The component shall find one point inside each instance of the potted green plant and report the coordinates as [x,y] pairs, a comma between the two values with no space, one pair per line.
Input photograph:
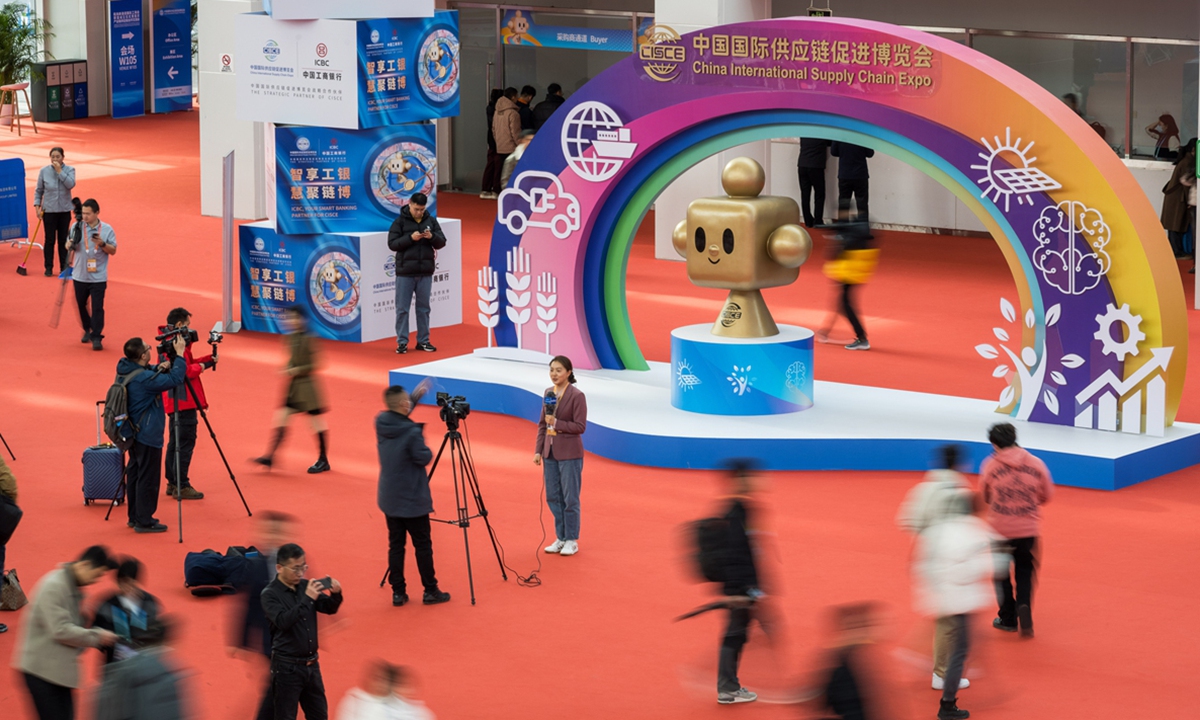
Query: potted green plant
[19,34]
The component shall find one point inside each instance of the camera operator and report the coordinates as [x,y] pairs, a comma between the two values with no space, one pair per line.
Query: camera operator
[291,604]
[143,473]
[189,400]
[92,242]
[404,493]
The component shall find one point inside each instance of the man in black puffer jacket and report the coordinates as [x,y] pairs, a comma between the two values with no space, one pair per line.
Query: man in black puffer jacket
[415,237]
[404,493]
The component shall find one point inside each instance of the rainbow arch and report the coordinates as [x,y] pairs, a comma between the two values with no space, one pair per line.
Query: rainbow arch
[938,125]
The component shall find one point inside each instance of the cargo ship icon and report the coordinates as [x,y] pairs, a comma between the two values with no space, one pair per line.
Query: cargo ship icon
[614,144]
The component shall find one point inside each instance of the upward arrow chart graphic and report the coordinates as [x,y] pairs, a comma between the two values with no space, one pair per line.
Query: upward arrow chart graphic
[1162,356]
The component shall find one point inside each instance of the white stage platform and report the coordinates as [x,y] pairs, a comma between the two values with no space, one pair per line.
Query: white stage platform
[850,427]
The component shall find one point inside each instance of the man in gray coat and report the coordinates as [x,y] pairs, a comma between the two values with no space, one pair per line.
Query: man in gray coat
[54,634]
[145,686]
[404,493]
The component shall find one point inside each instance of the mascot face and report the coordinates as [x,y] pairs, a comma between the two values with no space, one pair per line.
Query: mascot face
[330,274]
[436,53]
[519,24]
[397,165]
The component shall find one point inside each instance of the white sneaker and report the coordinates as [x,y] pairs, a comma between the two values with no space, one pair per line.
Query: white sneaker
[555,547]
[570,547]
[940,683]
[740,695]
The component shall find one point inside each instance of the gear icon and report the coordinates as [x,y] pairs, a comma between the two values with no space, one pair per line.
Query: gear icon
[1132,326]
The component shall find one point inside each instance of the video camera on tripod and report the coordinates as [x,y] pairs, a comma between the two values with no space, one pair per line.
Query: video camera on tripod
[453,409]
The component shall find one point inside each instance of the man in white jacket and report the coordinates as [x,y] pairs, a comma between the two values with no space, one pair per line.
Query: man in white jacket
[952,573]
[924,505]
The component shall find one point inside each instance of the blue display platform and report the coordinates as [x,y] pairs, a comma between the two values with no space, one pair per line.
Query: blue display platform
[742,376]
[630,419]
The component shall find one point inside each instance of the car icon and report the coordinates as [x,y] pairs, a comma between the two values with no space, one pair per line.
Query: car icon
[537,199]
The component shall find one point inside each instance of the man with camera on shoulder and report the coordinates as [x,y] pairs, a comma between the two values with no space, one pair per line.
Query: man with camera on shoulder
[191,396]
[92,242]
[143,472]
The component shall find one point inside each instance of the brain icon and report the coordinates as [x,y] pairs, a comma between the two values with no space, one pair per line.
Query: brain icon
[1071,240]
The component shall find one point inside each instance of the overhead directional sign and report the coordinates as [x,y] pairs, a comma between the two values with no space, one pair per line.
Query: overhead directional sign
[127,68]
[171,55]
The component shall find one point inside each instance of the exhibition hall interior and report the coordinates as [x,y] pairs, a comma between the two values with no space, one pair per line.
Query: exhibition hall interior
[860,328]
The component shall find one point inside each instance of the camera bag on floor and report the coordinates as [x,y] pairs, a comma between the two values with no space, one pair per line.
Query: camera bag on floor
[209,573]
[103,466]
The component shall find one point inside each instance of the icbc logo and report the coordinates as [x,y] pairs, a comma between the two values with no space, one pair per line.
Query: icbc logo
[322,51]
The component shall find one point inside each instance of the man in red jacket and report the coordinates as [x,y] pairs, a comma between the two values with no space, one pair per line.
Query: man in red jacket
[1015,485]
[189,401]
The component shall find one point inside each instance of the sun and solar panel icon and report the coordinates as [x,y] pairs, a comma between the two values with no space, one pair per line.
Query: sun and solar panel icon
[1021,179]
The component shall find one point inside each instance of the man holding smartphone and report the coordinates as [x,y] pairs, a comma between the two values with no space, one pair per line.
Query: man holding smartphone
[415,237]
[89,270]
[291,604]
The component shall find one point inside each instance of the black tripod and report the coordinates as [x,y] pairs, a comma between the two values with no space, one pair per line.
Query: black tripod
[179,480]
[466,484]
[6,447]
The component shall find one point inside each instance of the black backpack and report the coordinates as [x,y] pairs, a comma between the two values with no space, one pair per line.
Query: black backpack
[118,426]
[710,539]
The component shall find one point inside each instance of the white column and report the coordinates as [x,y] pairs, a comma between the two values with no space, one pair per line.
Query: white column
[220,129]
[685,16]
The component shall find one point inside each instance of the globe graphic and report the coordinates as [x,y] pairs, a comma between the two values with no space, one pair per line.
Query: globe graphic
[579,130]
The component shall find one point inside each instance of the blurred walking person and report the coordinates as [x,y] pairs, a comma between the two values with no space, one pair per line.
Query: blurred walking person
[927,503]
[952,565]
[506,129]
[739,580]
[302,394]
[53,634]
[145,685]
[1015,485]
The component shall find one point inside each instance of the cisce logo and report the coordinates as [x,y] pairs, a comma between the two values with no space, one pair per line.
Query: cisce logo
[662,56]
[271,51]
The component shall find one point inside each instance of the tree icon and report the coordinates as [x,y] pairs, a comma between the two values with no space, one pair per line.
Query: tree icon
[1028,367]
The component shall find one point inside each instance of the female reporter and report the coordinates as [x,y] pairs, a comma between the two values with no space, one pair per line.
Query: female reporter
[560,453]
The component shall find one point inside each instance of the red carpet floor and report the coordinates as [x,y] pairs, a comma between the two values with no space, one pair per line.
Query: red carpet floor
[1116,627]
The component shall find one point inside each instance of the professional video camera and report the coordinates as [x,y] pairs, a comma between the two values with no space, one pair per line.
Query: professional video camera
[453,409]
[77,229]
[166,341]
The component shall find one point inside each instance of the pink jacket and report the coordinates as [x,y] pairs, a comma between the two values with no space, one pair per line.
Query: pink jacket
[1015,485]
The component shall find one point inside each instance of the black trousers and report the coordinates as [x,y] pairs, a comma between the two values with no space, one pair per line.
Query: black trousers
[812,183]
[736,634]
[143,480]
[1024,567]
[94,322]
[57,225]
[418,528]
[856,189]
[860,333]
[52,702]
[491,171]
[296,684]
[188,419]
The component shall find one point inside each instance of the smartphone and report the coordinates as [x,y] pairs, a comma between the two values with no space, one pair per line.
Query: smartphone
[326,583]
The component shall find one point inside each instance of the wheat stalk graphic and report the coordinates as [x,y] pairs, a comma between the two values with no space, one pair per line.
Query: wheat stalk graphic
[518,294]
[547,298]
[489,306]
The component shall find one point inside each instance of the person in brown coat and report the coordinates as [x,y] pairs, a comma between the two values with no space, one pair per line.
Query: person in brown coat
[53,634]
[1177,214]
[560,453]
[506,125]
[302,393]
[8,494]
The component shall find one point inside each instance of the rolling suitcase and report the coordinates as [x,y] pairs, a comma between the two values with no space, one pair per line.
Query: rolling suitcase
[103,468]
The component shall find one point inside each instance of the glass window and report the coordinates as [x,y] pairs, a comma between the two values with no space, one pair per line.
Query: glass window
[1091,74]
[477,34]
[1164,98]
